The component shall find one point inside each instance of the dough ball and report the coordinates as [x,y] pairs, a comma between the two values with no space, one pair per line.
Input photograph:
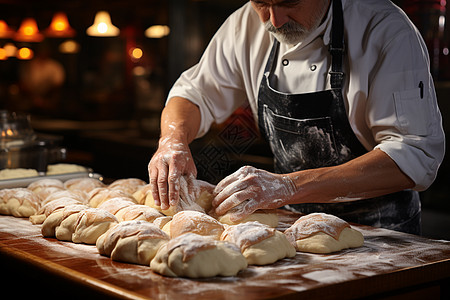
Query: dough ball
[260,244]
[266,217]
[37,185]
[50,207]
[17,173]
[323,233]
[55,218]
[132,241]
[195,222]
[116,205]
[64,169]
[99,195]
[195,256]
[90,224]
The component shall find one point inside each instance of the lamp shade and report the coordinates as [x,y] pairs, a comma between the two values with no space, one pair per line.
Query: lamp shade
[102,26]
[60,27]
[28,31]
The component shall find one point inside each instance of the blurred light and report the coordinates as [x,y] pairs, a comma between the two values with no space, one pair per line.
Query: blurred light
[139,71]
[11,49]
[3,55]
[69,47]
[60,27]
[136,54]
[445,51]
[25,53]
[157,31]
[102,26]
[28,31]
[5,31]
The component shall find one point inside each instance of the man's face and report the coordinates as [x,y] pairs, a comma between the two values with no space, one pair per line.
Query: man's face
[290,21]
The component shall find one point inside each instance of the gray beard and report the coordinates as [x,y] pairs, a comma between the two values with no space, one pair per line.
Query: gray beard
[290,33]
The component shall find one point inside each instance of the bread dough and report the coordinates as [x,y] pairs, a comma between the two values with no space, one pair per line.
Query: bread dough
[64,169]
[92,223]
[83,184]
[260,244]
[195,222]
[323,233]
[54,220]
[194,195]
[194,256]
[265,217]
[17,173]
[99,195]
[132,241]
[128,185]
[138,212]
[19,202]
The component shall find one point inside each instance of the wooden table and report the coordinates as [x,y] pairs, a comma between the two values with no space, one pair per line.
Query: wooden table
[389,264]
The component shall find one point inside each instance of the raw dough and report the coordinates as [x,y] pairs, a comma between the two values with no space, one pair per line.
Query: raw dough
[129,185]
[138,212]
[99,195]
[195,256]
[262,216]
[17,173]
[323,233]
[195,222]
[54,220]
[92,223]
[260,244]
[132,241]
[19,202]
[83,184]
[64,169]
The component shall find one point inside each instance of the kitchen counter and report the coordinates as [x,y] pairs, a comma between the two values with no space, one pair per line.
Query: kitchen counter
[388,264]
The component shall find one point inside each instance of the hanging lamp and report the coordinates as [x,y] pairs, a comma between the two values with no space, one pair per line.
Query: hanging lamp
[102,26]
[28,31]
[60,27]
[157,31]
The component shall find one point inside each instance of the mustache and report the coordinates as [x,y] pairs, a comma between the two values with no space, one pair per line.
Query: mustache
[287,28]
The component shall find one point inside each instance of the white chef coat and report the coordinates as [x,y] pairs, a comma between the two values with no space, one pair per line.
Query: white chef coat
[385,61]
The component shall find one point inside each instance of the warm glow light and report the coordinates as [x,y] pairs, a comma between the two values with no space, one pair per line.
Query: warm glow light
[10,49]
[3,55]
[157,31]
[5,31]
[102,26]
[28,32]
[25,53]
[136,53]
[69,47]
[60,27]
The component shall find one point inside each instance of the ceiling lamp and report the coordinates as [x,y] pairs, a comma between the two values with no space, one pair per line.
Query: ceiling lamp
[28,31]
[25,53]
[157,31]
[60,27]
[102,26]
[69,47]
[5,31]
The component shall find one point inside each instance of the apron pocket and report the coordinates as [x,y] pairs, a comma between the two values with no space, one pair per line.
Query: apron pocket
[300,144]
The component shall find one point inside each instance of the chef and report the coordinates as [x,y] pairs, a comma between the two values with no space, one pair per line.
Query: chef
[340,89]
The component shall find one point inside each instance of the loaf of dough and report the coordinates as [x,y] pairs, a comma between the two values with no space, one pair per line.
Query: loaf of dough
[132,241]
[128,185]
[17,173]
[90,224]
[195,256]
[55,218]
[99,195]
[260,244]
[323,233]
[83,184]
[116,205]
[266,217]
[138,212]
[19,202]
[195,222]
[194,195]
[50,207]
[64,169]
[37,185]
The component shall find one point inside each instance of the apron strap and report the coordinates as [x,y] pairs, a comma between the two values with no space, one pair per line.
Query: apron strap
[337,46]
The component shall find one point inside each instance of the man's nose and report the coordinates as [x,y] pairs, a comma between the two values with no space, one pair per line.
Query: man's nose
[278,17]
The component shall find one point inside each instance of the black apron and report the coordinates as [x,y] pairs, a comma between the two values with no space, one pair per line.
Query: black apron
[311,130]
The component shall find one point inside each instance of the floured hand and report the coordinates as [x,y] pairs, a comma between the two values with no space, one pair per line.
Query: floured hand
[172,160]
[252,189]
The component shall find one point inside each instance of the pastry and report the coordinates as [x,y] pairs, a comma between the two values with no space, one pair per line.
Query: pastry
[195,256]
[19,202]
[138,212]
[90,224]
[116,205]
[129,185]
[53,221]
[195,222]
[260,244]
[132,241]
[50,207]
[262,216]
[83,184]
[99,195]
[323,233]
[37,185]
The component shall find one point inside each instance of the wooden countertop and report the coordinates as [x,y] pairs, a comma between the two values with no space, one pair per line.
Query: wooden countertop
[388,262]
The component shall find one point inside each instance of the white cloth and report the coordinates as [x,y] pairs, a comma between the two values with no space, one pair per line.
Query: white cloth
[385,61]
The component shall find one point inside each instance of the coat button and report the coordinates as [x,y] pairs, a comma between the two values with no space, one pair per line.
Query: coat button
[313,68]
[285,62]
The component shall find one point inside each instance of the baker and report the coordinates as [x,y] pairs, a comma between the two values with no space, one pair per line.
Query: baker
[342,92]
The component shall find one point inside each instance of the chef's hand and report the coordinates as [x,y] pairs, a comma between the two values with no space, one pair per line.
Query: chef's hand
[252,189]
[172,160]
